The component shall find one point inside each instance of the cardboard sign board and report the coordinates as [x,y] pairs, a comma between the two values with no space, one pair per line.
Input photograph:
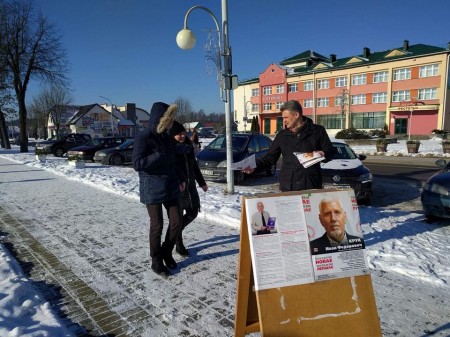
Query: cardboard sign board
[299,292]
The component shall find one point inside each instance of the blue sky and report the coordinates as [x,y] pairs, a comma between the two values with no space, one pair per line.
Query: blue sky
[125,50]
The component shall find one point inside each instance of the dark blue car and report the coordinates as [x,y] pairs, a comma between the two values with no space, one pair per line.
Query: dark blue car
[435,194]
[213,162]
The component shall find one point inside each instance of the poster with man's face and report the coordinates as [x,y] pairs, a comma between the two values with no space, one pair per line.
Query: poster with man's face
[335,234]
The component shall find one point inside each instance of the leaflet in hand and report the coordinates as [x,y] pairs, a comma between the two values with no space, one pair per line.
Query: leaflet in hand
[247,162]
[308,158]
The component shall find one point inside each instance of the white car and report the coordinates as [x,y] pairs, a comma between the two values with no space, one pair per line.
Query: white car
[347,170]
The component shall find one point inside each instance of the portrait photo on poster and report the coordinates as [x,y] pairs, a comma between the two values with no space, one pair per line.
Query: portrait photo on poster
[333,222]
[261,220]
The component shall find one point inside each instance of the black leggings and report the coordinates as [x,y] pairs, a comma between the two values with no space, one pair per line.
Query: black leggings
[157,251]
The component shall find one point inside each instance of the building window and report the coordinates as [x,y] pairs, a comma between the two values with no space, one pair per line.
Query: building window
[379,97]
[267,91]
[255,92]
[358,99]
[331,121]
[280,89]
[308,103]
[359,79]
[430,93]
[429,70]
[322,102]
[402,74]
[279,105]
[308,86]
[341,82]
[323,84]
[267,106]
[380,77]
[368,120]
[255,107]
[292,87]
[398,96]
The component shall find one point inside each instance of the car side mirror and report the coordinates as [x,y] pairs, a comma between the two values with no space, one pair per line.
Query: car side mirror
[362,157]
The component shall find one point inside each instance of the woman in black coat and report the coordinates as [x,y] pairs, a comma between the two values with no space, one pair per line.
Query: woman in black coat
[160,183]
[189,199]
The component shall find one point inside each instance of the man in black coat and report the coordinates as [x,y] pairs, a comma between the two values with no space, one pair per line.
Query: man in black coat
[300,135]
[333,218]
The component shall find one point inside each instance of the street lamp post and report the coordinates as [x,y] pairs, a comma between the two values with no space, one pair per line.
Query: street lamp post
[112,121]
[186,40]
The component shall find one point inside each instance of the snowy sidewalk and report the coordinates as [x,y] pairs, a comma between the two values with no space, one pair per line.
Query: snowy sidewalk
[92,221]
[102,238]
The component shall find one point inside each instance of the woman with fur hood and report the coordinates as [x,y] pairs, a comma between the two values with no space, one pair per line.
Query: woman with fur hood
[189,199]
[160,183]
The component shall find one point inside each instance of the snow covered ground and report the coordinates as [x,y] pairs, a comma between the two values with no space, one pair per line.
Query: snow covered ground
[408,257]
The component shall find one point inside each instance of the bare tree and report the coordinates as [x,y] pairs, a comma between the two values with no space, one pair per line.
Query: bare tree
[31,49]
[343,102]
[184,110]
[6,106]
[51,102]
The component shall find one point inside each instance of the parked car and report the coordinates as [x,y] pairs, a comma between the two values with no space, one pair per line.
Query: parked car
[347,170]
[435,196]
[212,159]
[59,147]
[206,133]
[122,154]
[87,151]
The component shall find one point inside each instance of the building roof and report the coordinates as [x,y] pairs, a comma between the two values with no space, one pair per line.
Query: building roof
[64,113]
[84,109]
[310,61]
[304,56]
[368,58]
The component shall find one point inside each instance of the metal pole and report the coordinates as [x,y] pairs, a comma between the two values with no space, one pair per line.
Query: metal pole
[227,85]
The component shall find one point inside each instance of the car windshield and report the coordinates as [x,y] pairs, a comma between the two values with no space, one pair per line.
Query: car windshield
[126,144]
[219,144]
[95,142]
[343,151]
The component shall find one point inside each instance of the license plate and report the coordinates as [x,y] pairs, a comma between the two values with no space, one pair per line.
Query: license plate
[339,187]
[207,172]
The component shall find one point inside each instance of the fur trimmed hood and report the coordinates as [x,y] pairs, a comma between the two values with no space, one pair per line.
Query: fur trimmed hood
[161,115]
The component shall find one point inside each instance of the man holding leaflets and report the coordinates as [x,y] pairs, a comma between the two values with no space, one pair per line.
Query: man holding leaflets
[300,135]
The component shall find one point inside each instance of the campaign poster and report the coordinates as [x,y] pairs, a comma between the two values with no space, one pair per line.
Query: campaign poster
[335,234]
[279,241]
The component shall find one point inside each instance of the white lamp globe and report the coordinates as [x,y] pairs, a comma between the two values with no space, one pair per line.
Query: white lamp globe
[185,39]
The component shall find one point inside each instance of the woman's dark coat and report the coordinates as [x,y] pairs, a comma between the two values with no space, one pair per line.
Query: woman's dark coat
[293,176]
[189,166]
[154,157]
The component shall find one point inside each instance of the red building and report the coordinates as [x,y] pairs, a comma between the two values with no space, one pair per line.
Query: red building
[403,90]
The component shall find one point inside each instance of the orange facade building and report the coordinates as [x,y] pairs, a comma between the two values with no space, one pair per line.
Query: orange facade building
[402,90]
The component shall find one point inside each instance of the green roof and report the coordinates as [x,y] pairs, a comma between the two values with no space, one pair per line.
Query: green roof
[312,59]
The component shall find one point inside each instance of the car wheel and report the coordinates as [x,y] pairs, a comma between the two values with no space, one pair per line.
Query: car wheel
[271,171]
[238,177]
[59,152]
[116,159]
[365,202]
